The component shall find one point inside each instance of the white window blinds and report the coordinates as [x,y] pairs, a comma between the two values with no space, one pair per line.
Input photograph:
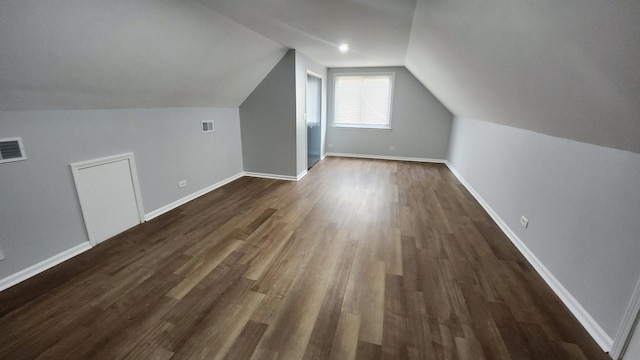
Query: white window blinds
[363,100]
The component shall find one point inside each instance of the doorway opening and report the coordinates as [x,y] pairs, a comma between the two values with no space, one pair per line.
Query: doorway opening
[313,116]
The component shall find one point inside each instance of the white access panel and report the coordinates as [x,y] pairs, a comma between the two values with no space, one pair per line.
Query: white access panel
[109,197]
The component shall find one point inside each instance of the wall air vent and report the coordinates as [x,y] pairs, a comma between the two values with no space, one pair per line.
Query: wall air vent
[207,126]
[11,149]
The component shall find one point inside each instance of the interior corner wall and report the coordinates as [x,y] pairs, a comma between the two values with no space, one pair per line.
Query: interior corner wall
[304,64]
[420,124]
[633,349]
[40,214]
[268,122]
[582,202]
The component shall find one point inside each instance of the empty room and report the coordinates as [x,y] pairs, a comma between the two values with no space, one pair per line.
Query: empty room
[308,179]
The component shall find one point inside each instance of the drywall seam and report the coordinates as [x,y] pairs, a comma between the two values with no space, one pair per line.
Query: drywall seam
[384,157]
[186,199]
[46,264]
[587,321]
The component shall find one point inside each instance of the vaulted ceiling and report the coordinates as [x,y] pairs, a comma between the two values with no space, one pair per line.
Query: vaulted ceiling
[376,30]
[68,54]
[569,69]
[566,68]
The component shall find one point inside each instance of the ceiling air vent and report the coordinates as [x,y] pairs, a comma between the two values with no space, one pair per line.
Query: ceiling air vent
[207,126]
[11,149]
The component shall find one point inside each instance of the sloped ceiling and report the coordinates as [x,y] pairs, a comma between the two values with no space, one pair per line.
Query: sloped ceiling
[67,54]
[565,68]
[376,30]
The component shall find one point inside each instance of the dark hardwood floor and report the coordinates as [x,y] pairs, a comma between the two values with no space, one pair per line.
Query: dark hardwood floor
[360,259]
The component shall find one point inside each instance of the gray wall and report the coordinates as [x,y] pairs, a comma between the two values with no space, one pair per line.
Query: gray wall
[420,123]
[303,63]
[633,351]
[268,122]
[582,202]
[39,211]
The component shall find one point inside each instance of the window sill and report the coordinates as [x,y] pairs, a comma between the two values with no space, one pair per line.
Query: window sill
[361,127]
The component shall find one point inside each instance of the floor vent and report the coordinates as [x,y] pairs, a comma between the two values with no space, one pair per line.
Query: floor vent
[11,149]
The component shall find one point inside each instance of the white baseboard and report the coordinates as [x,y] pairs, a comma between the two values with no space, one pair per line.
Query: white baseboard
[34,270]
[625,331]
[275,176]
[594,329]
[384,157]
[157,212]
[68,254]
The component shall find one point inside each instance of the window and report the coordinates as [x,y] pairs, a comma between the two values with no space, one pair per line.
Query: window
[363,101]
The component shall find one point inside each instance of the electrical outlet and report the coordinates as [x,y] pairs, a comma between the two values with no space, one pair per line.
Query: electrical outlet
[524,221]
[330,145]
[182,183]
[392,148]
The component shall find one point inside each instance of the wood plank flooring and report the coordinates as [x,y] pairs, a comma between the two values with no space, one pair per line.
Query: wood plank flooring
[361,259]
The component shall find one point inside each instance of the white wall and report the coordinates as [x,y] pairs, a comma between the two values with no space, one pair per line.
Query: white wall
[420,123]
[582,202]
[39,211]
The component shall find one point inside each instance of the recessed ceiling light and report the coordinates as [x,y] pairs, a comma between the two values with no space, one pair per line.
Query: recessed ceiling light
[344,48]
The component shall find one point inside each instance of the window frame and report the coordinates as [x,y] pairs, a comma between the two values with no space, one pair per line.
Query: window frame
[392,76]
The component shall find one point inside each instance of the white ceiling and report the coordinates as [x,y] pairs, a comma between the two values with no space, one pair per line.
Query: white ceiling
[564,68]
[569,69]
[95,54]
[376,30]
